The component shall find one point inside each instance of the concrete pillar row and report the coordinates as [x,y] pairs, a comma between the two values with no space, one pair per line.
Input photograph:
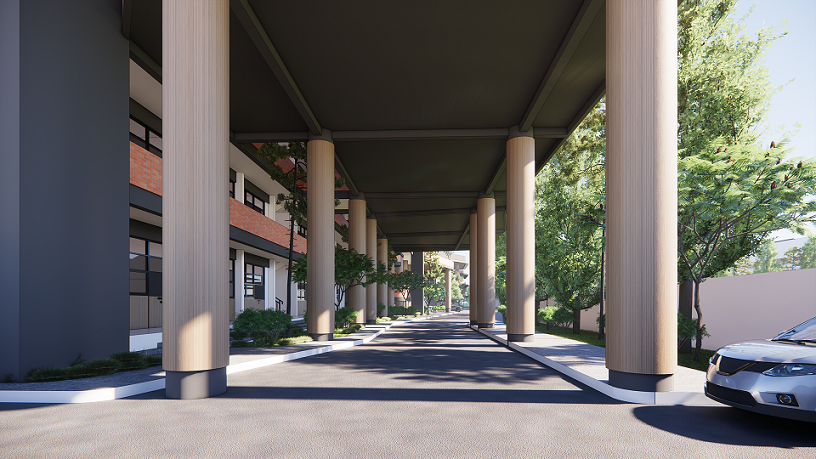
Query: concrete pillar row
[641,193]
[320,220]
[195,127]
[447,290]
[357,241]
[486,270]
[474,270]
[382,289]
[521,236]
[371,250]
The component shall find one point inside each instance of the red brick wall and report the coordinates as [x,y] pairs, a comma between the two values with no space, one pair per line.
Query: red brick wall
[146,173]
[251,221]
[145,169]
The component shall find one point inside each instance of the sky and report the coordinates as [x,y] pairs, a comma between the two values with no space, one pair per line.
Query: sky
[792,63]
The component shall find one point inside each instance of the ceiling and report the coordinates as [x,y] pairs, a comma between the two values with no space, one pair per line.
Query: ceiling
[419,96]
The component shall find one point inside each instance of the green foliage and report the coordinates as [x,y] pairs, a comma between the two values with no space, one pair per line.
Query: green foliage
[434,288]
[380,309]
[808,258]
[8,378]
[401,311]
[723,90]
[767,258]
[553,315]
[687,329]
[406,281]
[344,317]
[457,283]
[264,326]
[383,319]
[294,340]
[503,311]
[350,269]
[120,361]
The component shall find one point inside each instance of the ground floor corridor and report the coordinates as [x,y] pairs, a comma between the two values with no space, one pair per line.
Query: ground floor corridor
[428,389]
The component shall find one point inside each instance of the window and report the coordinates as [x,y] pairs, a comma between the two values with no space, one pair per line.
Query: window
[257,204]
[253,281]
[232,189]
[146,138]
[301,291]
[145,267]
[301,230]
[232,278]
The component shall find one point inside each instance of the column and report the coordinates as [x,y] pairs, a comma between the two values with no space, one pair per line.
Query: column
[357,241]
[239,280]
[474,258]
[520,236]
[418,295]
[399,299]
[447,290]
[195,101]
[382,289]
[269,286]
[320,256]
[240,196]
[371,290]
[486,270]
[641,196]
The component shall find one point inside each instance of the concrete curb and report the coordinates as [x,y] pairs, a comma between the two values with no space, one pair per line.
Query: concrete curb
[114,393]
[624,395]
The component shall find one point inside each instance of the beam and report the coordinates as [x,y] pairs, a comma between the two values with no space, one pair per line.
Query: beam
[423,195]
[243,11]
[143,60]
[497,175]
[422,213]
[586,15]
[264,137]
[341,169]
[550,133]
[462,238]
[429,233]
[421,134]
[599,92]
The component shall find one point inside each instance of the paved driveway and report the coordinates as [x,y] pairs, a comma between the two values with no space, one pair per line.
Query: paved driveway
[431,389]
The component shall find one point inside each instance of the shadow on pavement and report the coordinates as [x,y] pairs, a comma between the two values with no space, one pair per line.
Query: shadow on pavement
[729,426]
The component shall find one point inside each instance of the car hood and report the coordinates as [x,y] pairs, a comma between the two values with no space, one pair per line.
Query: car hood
[770,351]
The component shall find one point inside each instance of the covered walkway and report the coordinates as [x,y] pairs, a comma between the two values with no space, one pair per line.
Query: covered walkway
[429,389]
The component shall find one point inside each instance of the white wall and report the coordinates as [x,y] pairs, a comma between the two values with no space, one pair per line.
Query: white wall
[755,306]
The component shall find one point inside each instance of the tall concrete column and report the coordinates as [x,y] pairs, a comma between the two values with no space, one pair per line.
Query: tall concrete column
[418,295]
[195,105]
[486,270]
[357,241]
[474,263]
[641,196]
[371,250]
[447,290]
[320,221]
[521,236]
[239,280]
[382,289]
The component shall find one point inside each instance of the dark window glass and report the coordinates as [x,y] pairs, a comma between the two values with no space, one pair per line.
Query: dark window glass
[154,264]
[256,203]
[137,129]
[155,249]
[155,141]
[137,245]
[253,278]
[301,291]
[138,262]
[138,283]
[232,278]
[232,189]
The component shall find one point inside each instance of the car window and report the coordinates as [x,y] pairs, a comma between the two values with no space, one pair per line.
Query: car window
[805,331]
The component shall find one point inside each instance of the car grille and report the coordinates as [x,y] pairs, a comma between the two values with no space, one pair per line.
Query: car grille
[729,366]
[731,395]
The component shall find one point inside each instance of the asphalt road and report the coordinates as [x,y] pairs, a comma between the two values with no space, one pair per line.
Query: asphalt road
[431,389]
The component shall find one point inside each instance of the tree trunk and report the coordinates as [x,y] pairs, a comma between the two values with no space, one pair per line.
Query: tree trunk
[699,338]
[686,304]
[291,247]
[576,321]
[601,317]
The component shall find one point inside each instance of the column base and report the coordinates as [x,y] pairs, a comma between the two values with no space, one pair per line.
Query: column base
[371,322]
[641,382]
[485,325]
[520,337]
[191,385]
[322,336]
[473,322]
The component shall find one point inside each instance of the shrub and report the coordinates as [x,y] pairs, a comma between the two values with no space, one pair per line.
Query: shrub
[344,317]
[401,311]
[237,335]
[552,315]
[47,374]
[92,368]
[265,324]
[129,360]
[380,309]
[383,319]
[297,331]
[503,311]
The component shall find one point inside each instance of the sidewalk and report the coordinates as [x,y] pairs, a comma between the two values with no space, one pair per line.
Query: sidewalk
[130,383]
[587,364]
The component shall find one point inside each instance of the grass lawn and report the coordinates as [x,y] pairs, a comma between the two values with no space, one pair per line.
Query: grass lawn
[589,337]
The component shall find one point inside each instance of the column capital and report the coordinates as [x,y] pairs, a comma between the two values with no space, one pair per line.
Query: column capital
[325,134]
[483,195]
[514,132]
[358,196]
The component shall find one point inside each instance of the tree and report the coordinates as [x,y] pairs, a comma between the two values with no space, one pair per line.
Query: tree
[808,260]
[406,281]
[294,181]
[727,195]
[792,259]
[457,281]
[350,269]
[767,258]
[723,90]
[435,289]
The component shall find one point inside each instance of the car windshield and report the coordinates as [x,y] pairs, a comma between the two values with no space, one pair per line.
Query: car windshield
[805,331]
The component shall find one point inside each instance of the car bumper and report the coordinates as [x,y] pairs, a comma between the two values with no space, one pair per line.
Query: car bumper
[758,393]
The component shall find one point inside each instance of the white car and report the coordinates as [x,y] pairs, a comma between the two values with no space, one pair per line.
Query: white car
[775,377]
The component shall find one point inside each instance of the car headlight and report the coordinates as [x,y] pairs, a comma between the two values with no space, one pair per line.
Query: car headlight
[791,369]
[713,359]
